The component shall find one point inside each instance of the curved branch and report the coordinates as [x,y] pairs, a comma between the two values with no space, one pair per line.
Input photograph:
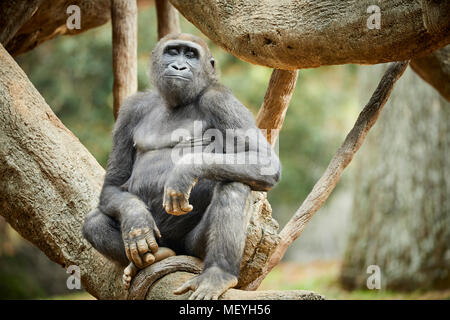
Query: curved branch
[158,281]
[332,174]
[304,34]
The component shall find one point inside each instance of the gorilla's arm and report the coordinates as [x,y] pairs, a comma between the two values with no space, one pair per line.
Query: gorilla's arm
[256,164]
[115,200]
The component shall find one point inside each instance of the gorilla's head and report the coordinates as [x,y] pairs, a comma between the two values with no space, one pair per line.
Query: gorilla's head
[181,68]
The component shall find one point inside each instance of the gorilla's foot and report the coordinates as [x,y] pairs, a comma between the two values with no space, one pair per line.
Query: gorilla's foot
[209,285]
[131,270]
[128,273]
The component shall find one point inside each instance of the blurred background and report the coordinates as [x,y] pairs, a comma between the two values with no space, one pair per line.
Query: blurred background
[390,209]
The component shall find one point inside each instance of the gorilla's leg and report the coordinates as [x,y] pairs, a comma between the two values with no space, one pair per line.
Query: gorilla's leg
[219,239]
[104,234]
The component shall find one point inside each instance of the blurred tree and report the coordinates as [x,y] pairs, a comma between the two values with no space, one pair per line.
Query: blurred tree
[401,214]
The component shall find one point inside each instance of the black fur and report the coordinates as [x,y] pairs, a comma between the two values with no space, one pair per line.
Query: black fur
[140,167]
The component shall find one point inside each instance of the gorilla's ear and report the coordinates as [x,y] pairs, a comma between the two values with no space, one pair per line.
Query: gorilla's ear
[213,63]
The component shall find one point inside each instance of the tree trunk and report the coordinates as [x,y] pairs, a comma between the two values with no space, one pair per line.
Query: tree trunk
[49,182]
[401,213]
[124,31]
[168,20]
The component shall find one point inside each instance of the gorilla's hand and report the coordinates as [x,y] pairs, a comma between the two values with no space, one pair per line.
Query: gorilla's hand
[176,192]
[138,233]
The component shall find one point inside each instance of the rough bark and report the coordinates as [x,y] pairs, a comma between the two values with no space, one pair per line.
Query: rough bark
[168,20]
[401,212]
[158,281]
[279,34]
[435,69]
[328,181]
[49,21]
[49,182]
[18,12]
[276,102]
[304,34]
[124,30]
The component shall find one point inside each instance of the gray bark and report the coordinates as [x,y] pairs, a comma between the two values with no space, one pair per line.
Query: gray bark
[401,214]
[304,34]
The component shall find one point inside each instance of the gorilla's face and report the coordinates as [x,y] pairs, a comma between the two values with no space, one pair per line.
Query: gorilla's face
[181,70]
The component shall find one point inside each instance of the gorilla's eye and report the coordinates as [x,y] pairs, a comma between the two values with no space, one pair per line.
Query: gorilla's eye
[191,54]
[172,51]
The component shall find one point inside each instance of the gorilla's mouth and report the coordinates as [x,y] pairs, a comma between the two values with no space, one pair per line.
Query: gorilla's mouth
[176,76]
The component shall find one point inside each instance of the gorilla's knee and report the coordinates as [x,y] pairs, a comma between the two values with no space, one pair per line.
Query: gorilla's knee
[90,224]
[234,192]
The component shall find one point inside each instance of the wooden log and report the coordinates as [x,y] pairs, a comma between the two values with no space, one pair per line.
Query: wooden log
[168,19]
[124,29]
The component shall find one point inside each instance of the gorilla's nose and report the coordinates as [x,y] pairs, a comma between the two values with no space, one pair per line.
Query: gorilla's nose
[178,67]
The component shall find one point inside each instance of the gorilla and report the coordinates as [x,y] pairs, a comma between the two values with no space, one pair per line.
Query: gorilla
[172,185]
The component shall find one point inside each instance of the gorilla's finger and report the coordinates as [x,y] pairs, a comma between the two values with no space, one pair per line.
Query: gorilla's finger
[200,294]
[130,270]
[176,205]
[163,253]
[185,206]
[207,296]
[149,258]
[184,288]
[127,251]
[157,232]
[192,296]
[151,242]
[135,255]
[142,246]
[168,206]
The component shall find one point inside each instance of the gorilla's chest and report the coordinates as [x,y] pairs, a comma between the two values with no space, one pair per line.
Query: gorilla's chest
[168,131]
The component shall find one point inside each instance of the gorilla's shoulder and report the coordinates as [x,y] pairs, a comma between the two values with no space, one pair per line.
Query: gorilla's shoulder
[216,91]
[225,108]
[138,104]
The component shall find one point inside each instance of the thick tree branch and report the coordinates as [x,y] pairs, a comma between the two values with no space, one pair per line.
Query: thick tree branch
[49,181]
[332,174]
[276,101]
[435,69]
[14,15]
[50,19]
[124,29]
[168,20]
[158,281]
[304,34]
